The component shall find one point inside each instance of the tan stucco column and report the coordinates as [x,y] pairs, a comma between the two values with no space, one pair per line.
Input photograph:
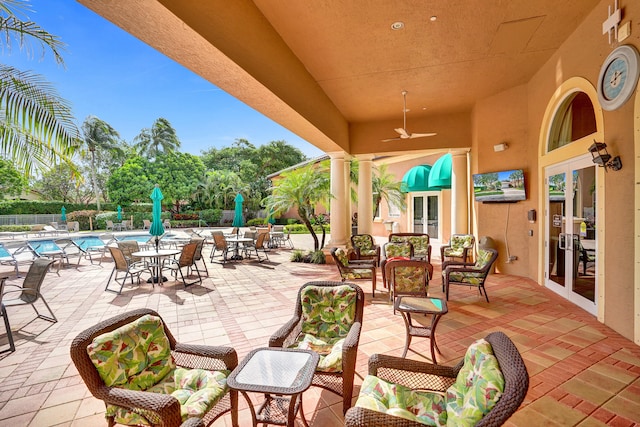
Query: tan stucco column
[337,221]
[459,199]
[365,196]
[347,196]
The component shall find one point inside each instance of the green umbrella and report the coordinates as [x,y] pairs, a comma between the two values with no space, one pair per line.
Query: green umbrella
[119,213]
[237,217]
[63,214]
[156,228]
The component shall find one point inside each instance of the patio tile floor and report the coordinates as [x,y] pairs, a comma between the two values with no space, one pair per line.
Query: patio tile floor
[582,372]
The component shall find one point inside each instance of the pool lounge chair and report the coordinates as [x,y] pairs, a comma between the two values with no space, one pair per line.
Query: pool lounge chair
[7,258]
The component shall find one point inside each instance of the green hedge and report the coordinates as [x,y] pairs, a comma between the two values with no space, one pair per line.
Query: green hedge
[302,229]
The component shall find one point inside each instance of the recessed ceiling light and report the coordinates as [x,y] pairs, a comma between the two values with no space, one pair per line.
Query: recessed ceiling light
[433,18]
[398,25]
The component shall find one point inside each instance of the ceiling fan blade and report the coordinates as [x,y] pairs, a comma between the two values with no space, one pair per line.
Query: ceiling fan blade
[402,132]
[391,139]
[421,135]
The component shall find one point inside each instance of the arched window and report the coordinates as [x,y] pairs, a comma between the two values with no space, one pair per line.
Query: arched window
[574,119]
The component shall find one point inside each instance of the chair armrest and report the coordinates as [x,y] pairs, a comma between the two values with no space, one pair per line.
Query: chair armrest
[442,248]
[362,417]
[461,269]
[165,406]
[361,263]
[413,374]
[205,356]
[192,422]
[286,334]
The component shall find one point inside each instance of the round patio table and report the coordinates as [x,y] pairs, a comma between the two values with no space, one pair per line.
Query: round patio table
[156,263]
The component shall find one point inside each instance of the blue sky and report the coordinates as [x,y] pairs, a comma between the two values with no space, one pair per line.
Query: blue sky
[114,76]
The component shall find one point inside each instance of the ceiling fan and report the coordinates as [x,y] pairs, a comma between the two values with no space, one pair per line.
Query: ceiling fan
[404,134]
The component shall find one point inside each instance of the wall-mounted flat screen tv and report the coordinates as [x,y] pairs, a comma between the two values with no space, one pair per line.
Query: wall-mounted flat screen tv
[500,187]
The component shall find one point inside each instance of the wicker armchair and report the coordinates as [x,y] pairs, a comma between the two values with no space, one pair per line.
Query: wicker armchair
[364,247]
[420,242]
[336,377]
[407,277]
[154,406]
[423,376]
[470,275]
[364,269]
[391,250]
[460,246]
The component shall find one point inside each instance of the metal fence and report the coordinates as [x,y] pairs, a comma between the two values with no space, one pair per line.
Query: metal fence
[29,219]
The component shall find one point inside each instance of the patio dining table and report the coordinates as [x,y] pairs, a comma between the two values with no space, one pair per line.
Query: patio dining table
[236,248]
[156,264]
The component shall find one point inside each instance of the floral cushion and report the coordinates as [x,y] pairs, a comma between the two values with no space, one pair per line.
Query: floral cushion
[478,387]
[457,245]
[394,399]
[134,356]
[328,311]
[472,278]
[137,356]
[329,350]
[483,258]
[358,273]
[397,249]
[342,256]
[420,245]
[363,242]
[197,390]
[409,279]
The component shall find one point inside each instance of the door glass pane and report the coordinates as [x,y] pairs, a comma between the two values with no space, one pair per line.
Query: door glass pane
[432,216]
[418,214]
[584,202]
[556,239]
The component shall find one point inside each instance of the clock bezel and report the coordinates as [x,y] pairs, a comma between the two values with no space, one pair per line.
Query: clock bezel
[631,57]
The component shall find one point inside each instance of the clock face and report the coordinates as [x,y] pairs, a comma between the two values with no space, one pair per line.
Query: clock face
[614,78]
[618,77]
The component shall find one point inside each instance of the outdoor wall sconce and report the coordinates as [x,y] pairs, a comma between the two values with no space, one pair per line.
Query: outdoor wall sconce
[601,157]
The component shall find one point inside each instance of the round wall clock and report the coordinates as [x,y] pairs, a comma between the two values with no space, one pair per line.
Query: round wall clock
[618,77]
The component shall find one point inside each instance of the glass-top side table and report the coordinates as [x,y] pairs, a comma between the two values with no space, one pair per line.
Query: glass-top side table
[408,305]
[286,373]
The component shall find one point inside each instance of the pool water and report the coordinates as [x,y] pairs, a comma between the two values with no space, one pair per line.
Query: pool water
[41,246]
[86,242]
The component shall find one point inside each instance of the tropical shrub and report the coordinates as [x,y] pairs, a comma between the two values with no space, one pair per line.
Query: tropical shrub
[317,257]
[297,255]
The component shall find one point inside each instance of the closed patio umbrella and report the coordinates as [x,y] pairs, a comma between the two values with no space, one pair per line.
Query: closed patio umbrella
[119,213]
[156,228]
[63,214]
[237,216]
[271,220]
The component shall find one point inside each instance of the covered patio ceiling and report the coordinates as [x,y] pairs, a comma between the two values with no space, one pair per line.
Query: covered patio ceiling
[333,71]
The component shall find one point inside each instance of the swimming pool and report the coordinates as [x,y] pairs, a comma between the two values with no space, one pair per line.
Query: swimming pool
[86,242]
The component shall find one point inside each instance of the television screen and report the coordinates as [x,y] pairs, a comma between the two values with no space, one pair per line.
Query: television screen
[505,186]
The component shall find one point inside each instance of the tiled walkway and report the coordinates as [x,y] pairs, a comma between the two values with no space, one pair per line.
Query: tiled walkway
[582,373]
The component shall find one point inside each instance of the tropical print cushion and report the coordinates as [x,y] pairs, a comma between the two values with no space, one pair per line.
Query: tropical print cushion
[409,279]
[342,256]
[197,390]
[328,311]
[420,245]
[368,252]
[393,250]
[394,399]
[469,277]
[483,258]
[363,242]
[134,356]
[329,350]
[478,387]
[457,245]
[357,273]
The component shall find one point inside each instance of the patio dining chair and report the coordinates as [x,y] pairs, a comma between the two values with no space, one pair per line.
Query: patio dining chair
[128,247]
[198,256]
[122,264]
[30,291]
[146,224]
[5,317]
[186,260]
[260,244]
[219,244]
[134,364]
[327,319]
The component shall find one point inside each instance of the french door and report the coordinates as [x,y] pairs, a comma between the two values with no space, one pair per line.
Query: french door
[570,238]
[425,213]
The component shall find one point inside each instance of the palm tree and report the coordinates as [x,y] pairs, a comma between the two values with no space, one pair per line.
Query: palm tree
[386,187]
[37,128]
[161,137]
[303,189]
[98,136]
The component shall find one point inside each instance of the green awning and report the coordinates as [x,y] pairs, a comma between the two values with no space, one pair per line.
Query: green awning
[417,179]
[440,175]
